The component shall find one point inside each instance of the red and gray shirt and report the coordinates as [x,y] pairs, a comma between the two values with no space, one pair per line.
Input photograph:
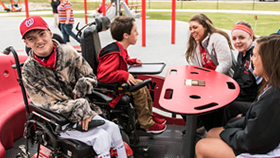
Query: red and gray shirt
[206,61]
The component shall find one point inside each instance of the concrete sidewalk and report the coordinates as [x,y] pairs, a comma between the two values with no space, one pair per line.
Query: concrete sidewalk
[158,40]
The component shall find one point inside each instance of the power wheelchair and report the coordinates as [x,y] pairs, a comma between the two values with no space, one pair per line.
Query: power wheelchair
[42,127]
[123,113]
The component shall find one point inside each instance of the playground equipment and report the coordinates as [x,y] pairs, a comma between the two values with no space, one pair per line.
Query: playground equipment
[110,11]
[114,9]
[128,12]
[15,6]
[143,12]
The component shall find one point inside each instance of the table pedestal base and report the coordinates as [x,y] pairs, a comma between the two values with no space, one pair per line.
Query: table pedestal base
[189,145]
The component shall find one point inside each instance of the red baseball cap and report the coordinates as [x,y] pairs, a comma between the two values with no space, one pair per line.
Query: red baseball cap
[32,23]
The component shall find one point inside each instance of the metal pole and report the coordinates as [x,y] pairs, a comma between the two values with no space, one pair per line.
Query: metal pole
[118,7]
[173,21]
[26,8]
[255,26]
[143,23]
[103,8]
[189,144]
[85,6]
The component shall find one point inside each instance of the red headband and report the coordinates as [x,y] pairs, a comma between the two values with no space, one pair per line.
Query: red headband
[243,28]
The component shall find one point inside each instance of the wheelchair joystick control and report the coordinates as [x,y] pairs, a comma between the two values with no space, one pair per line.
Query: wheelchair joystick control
[58,128]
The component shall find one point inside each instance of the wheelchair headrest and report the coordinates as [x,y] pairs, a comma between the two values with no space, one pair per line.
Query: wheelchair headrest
[102,23]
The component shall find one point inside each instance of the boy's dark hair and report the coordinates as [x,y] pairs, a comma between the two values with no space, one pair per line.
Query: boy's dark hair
[121,25]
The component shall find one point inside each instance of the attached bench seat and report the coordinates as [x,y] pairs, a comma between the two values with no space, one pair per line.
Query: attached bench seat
[12,109]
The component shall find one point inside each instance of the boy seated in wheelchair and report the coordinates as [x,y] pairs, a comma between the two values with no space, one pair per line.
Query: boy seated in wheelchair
[112,68]
[58,79]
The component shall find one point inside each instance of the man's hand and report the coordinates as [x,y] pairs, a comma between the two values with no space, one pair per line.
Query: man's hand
[131,80]
[85,123]
[139,62]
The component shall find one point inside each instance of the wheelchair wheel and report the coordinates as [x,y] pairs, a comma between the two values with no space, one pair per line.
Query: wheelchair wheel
[125,137]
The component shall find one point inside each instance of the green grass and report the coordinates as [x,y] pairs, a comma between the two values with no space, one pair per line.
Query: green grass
[266,24]
[266,6]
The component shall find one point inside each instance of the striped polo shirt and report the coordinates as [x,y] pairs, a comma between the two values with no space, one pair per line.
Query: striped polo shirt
[62,8]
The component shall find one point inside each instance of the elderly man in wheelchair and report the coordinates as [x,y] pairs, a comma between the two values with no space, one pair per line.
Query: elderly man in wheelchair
[59,81]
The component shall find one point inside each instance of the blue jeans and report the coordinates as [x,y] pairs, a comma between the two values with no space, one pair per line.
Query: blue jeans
[66,30]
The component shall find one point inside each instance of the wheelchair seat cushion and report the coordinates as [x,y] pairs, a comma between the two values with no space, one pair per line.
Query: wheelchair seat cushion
[75,149]
[124,101]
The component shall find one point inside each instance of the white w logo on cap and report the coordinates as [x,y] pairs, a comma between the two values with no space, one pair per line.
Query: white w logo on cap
[29,22]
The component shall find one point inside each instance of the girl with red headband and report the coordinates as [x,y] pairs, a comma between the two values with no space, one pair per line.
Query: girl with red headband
[243,40]
[256,134]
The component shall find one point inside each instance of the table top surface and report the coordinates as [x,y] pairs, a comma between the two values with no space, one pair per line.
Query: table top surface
[147,68]
[196,90]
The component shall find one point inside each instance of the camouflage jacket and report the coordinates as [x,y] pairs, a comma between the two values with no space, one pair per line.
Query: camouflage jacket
[54,90]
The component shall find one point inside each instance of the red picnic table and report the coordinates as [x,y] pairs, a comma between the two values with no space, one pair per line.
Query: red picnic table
[193,91]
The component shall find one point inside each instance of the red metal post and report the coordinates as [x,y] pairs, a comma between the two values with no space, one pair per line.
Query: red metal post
[143,23]
[173,21]
[103,8]
[26,8]
[85,6]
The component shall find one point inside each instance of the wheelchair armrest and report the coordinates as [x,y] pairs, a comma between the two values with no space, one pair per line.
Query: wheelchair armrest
[139,85]
[110,86]
[124,87]
[20,64]
[91,124]
[101,96]
[53,117]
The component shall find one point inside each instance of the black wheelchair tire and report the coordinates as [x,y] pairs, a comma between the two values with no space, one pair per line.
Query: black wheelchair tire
[125,137]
